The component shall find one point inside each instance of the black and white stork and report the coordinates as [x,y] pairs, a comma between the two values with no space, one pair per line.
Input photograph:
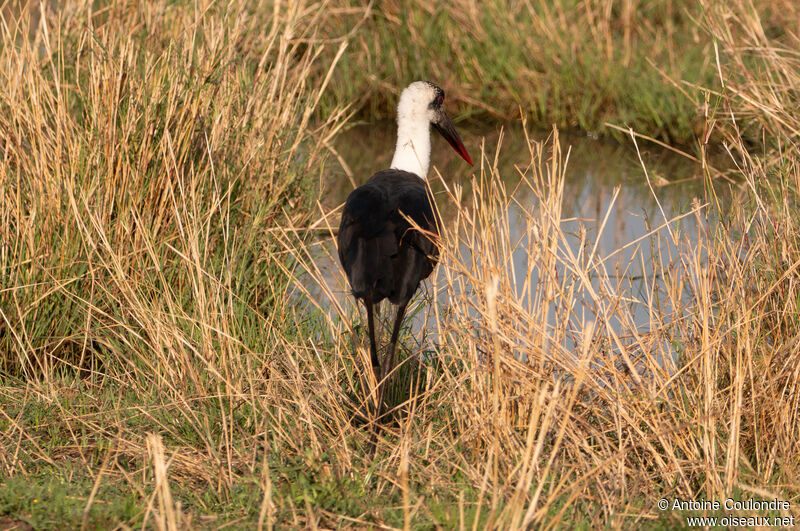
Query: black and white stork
[384,256]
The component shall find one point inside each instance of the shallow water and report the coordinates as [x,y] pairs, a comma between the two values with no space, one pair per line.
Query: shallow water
[593,171]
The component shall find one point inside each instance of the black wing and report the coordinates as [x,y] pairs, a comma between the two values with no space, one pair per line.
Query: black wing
[383,256]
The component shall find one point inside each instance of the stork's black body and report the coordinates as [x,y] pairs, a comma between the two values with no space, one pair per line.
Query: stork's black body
[383,255]
[387,236]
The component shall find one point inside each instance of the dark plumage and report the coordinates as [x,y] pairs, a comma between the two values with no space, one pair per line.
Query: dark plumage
[383,256]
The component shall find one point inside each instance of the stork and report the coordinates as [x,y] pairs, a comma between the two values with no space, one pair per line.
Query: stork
[383,255]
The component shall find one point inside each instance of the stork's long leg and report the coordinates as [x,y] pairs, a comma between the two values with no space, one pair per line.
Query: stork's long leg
[373,350]
[398,320]
[376,369]
[401,311]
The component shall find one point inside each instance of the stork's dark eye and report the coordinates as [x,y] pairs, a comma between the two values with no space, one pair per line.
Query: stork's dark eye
[438,100]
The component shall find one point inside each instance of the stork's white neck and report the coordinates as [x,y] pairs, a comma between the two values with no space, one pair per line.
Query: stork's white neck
[413,151]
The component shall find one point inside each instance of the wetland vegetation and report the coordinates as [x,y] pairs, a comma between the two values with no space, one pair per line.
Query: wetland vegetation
[172,356]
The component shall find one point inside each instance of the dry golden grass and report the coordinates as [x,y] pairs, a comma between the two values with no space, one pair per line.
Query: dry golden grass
[570,63]
[163,363]
[538,390]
